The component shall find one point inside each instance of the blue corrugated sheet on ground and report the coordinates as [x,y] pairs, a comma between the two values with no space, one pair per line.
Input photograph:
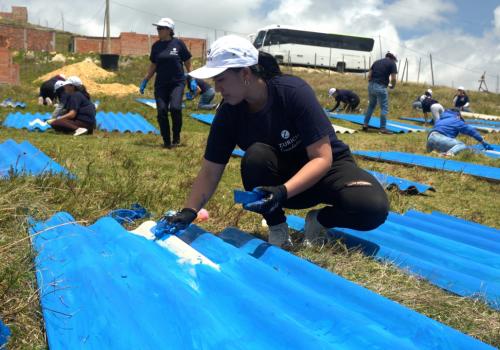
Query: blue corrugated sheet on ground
[458,256]
[106,121]
[204,118]
[25,159]
[203,293]
[478,170]
[30,121]
[147,101]
[4,335]
[124,122]
[494,153]
[480,126]
[392,125]
[9,102]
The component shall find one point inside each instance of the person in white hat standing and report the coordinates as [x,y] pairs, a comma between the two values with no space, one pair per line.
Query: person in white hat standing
[461,100]
[292,159]
[347,97]
[168,55]
[378,80]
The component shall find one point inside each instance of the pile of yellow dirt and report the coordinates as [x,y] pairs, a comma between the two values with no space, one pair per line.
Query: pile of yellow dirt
[90,74]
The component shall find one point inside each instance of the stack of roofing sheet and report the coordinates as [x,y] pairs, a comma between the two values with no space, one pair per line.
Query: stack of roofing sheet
[9,102]
[107,121]
[105,287]
[483,171]
[454,254]
[392,125]
[124,122]
[24,158]
[477,125]
[32,122]
[479,116]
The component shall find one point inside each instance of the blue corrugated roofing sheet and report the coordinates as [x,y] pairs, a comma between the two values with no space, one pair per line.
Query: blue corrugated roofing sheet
[124,122]
[106,121]
[392,125]
[147,101]
[30,121]
[494,153]
[458,256]
[24,158]
[104,287]
[480,126]
[4,335]
[478,170]
[9,102]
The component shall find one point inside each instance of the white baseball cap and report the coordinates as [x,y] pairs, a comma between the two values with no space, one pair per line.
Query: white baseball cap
[429,91]
[230,51]
[59,84]
[165,22]
[73,80]
[461,88]
[331,91]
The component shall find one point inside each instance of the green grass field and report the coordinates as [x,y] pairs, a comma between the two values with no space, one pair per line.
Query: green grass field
[115,170]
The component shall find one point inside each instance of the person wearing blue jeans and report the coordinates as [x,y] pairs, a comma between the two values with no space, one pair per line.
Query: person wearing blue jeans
[206,91]
[442,137]
[378,78]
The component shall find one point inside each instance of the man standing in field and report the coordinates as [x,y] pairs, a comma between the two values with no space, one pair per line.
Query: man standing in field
[378,81]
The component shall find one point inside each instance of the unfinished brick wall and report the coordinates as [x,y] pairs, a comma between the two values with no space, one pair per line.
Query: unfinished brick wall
[18,14]
[9,72]
[19,38]
[134,44]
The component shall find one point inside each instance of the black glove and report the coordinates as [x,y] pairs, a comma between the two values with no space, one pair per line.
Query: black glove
[272,198]
[182,219]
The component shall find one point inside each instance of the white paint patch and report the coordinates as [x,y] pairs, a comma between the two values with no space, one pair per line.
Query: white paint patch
[185,253]
[37,122]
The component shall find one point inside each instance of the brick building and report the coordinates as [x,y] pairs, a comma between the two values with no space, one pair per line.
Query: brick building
[9,71]
[18,37]
[132,44]
[19,14]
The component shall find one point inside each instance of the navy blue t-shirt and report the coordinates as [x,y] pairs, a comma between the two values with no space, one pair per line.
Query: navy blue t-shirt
[382,69]
[291,120]
[85,110]
[169,57]
[346,96]
[203,85]
[427,103]
[461,101]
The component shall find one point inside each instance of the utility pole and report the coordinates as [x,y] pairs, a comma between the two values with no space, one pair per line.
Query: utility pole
[418,74]
[432,70]
[108,29]
[62,20]
[404,69]
[498,84]
[380,45]
[407,69]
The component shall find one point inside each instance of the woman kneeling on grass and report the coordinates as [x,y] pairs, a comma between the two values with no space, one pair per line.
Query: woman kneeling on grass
[80,116]
[292,155]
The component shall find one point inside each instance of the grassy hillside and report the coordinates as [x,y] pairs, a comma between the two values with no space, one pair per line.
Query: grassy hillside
[115,170]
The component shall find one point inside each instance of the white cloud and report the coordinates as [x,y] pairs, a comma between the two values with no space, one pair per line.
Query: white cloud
[356,17]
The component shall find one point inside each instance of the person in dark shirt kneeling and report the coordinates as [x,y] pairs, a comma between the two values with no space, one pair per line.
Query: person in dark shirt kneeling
[347,97]
[80,113]
[292,159]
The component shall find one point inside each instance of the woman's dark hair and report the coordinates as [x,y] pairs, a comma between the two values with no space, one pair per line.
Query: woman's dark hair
[267,68]
[83,90]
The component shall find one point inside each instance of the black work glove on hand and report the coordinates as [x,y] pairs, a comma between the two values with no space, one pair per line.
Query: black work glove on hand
[182,219]
[272,198]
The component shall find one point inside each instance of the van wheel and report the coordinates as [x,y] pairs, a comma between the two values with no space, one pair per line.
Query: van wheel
[341,67]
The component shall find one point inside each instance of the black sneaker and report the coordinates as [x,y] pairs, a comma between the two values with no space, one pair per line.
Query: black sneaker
[176,143]
[385,131]
[167,145]
[365,128]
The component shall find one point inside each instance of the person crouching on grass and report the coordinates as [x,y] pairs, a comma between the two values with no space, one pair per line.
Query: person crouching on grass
[80,113]
[292,155]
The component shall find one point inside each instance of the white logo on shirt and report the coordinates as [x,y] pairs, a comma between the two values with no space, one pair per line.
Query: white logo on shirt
[285,134]
[174,51]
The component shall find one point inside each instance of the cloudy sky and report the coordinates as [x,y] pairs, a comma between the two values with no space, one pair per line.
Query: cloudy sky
[462,35]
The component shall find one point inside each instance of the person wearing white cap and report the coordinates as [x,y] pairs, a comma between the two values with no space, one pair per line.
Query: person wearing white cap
[167,57]
[61,98]
[461,100]
[378,80]
[80,113]
[430,105]
[347,97]
[47,93]
[417,104]
[292,159]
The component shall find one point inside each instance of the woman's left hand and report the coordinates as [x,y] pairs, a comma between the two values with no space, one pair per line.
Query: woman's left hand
[272,198]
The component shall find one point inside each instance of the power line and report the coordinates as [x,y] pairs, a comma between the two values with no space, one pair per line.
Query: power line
[87,22]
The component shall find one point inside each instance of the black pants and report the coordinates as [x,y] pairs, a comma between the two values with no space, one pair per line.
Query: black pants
[170,98]
[353,104]
[355,198]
